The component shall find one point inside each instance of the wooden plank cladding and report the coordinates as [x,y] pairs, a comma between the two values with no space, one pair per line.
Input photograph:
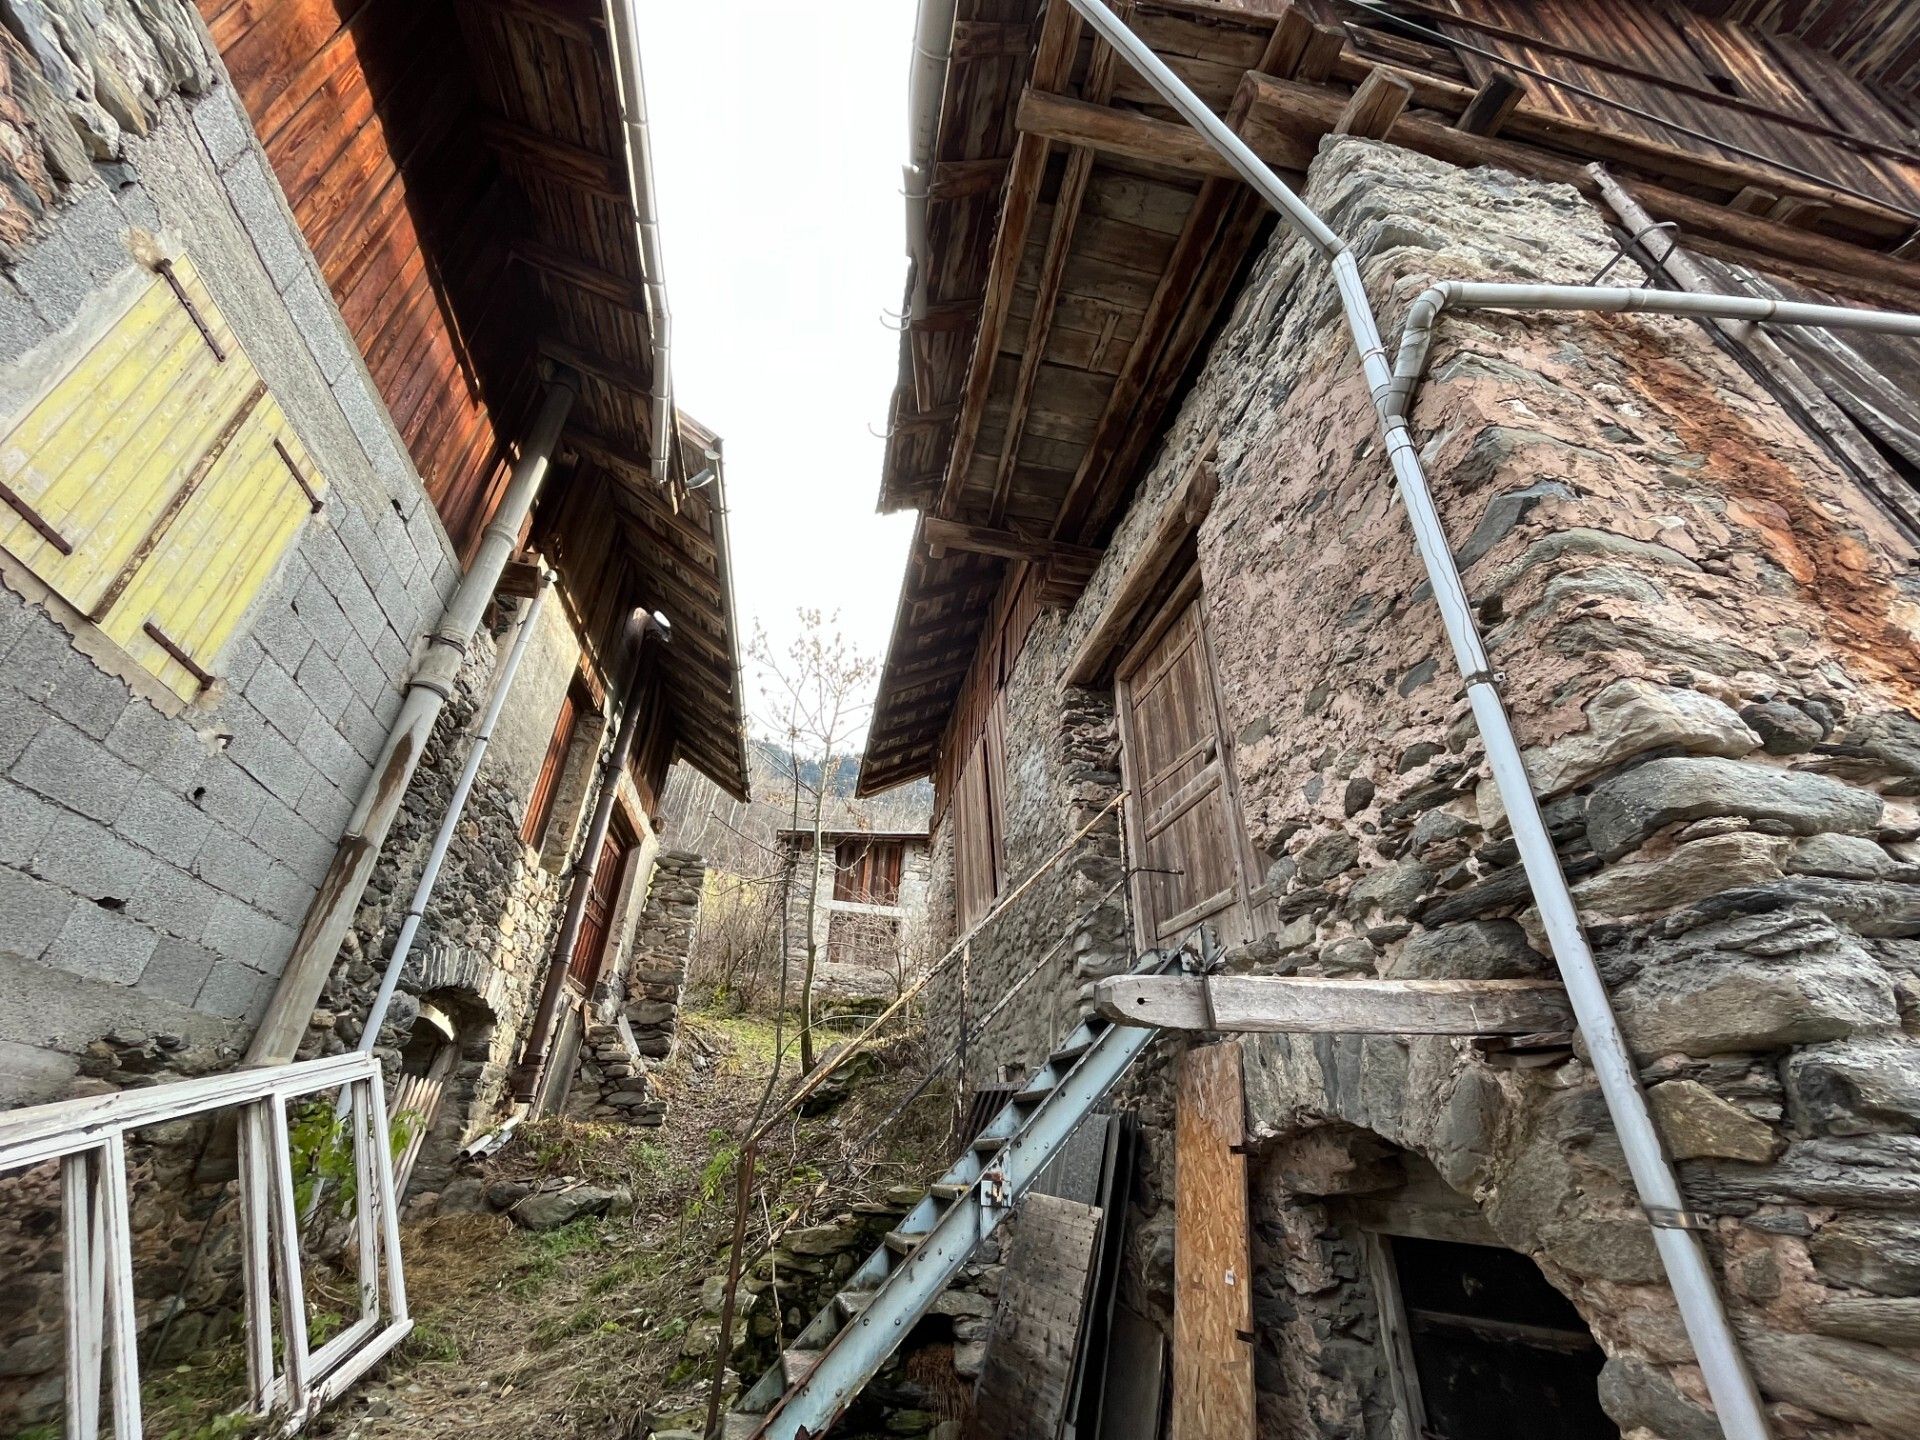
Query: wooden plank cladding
[370,134]
[459,170]
[1084,241]
[1212,1267]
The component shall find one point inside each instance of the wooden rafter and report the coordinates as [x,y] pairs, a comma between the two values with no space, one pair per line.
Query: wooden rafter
[941,533]
[618,373]
[550,260]
[1053,268]
[571,164]
[1052,61]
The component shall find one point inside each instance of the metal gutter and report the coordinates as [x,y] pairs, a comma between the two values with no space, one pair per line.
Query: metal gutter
[926,88]
[622,28]
[1735,1398]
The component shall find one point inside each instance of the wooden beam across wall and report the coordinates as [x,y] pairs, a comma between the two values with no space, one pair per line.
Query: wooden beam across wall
[1375,106]
[1180,515]
[1052,63]
[1297,1005]
[941,533]
[571,164]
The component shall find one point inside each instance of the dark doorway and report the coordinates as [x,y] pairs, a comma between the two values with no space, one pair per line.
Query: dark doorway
[1499,1354]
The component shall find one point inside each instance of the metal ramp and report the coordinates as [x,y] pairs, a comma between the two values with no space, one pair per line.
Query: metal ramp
[843,1346]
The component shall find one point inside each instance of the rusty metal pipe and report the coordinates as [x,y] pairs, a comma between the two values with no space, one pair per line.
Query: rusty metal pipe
[526,1075]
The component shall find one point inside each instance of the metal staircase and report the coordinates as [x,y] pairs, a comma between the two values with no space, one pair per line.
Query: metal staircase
[850,1339]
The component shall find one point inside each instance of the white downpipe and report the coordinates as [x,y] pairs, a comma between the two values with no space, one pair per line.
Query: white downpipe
[623,28]
[1735,1397]
[456,806]
[1417,338]
[926,85]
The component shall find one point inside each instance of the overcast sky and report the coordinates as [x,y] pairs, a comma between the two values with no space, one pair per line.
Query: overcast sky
[778,136]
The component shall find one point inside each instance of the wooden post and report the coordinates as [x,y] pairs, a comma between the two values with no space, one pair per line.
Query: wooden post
[1212,1264]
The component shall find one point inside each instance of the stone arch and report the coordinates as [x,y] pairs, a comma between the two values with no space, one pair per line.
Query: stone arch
[458,999]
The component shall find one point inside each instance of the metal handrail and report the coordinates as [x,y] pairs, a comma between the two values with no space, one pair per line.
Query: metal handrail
[88,1135]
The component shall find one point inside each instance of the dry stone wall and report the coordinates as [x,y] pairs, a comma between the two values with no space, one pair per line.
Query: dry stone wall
[1707,643]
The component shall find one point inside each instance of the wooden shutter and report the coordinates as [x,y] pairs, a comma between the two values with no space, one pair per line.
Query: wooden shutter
[1183,817]
[156,484]
[979,820]
[533,830]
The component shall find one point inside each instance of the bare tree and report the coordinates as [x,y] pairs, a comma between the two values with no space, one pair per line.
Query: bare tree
[816,697]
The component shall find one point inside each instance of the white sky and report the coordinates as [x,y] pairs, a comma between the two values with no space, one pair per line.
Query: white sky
[778,136]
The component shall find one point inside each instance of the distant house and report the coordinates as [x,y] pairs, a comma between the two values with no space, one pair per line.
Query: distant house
[870,899]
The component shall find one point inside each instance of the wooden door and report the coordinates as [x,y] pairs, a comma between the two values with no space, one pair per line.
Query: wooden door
[1183,817]
[589,948]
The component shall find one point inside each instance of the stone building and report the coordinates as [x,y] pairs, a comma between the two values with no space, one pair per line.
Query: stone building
[1160,552]
[332,359]
[868,891]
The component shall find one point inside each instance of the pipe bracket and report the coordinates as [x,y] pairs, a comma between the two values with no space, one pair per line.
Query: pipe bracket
[1663,1217]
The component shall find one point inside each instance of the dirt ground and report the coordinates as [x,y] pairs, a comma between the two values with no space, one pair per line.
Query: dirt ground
[601,1326]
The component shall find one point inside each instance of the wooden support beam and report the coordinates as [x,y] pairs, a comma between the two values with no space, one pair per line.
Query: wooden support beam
[1121,132]
[1322,50]
[1097,90]
[1491,104]
[939,316]
[550,260]
[573,165]
[989,40]
[957,179]
[1179,517]
[700,551]
[1052,63]
[1378,102]
[617,373]
[522,577]
[1294,1005]
[948,534]
[1286,116]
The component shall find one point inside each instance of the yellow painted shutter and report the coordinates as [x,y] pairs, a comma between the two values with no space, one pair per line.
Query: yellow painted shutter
[156,484]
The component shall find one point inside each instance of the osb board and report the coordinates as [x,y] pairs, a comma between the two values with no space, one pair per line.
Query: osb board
[1029,1364]
[1212,1273]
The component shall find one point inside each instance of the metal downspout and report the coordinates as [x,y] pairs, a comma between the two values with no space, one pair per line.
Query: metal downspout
[526,1075]
[456,805]
[1735,1398]
[623,28]
[331,915]
[926,85]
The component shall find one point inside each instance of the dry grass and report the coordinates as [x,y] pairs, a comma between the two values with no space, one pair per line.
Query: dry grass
[576,1332]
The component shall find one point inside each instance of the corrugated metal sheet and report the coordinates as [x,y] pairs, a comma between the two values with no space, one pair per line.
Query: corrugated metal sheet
[155,485]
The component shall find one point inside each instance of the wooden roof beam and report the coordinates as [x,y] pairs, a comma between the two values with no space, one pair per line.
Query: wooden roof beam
[1375,106]
[1053,268]
[943,534]
[617,373]
[1053,60]
[551,260]
[1287,116]
[959,179]
[1491,104]
[1119,132]
[573,165]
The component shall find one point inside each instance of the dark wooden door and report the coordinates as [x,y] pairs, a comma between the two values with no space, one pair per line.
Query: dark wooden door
[1183,819]
[589,949]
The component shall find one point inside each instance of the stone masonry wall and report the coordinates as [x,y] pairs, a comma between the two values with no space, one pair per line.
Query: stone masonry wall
[1062,768]
[860,979]
[155,859]
[1708,643]
[1707,638]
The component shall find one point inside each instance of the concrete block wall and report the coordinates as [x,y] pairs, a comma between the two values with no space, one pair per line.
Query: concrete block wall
[155,859]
